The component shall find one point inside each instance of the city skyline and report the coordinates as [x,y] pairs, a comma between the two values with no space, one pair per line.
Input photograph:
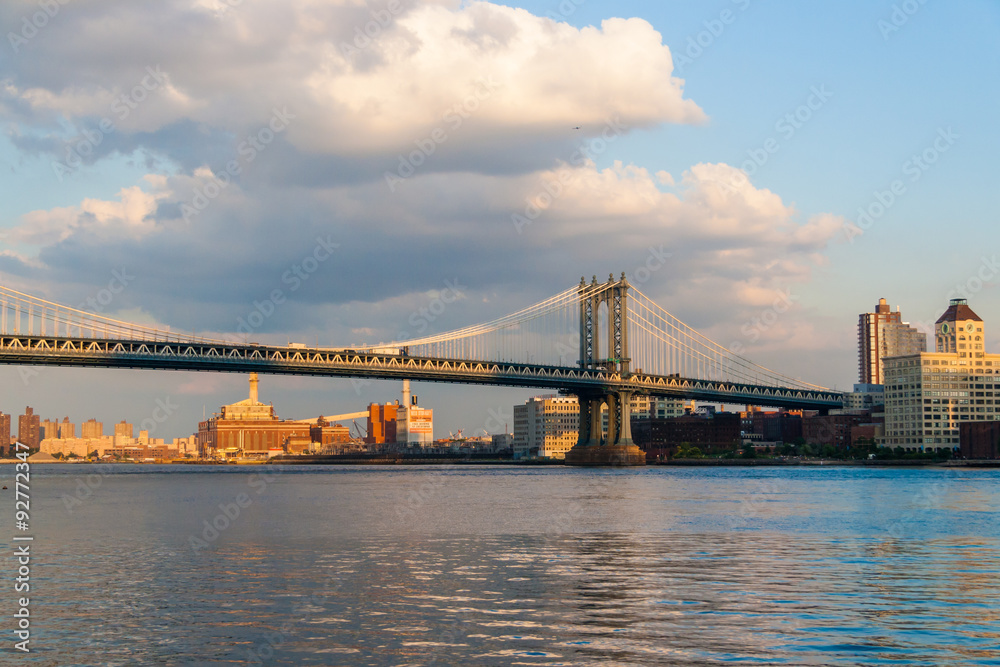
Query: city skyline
[164,410]
[650,289]
[735,208]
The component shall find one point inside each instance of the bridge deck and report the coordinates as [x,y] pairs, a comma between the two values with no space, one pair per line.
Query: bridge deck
[243,358]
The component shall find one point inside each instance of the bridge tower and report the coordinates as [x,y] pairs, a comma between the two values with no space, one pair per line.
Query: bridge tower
[595,447]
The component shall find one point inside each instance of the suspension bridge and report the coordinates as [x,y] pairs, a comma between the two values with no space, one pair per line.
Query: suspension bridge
[555,344]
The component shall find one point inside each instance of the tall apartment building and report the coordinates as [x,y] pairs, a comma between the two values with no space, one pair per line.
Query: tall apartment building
[66,429]
[124,429]
[91,429]
[884,334]
[48,429]
[381,423]
[4,432]
[928,395]
[546,426]
[28,428]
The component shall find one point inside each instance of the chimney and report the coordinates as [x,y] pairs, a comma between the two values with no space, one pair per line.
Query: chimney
[253,389]
[403,416]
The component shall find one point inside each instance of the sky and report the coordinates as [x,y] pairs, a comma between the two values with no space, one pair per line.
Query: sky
[172,163]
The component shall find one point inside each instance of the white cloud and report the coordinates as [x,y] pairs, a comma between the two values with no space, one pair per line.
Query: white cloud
[502,71]
[731,252]
[130,216]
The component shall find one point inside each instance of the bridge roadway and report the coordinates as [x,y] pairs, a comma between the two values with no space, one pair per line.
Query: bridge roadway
[32,350]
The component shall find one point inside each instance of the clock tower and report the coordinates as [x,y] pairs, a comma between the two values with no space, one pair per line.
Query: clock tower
[960,331]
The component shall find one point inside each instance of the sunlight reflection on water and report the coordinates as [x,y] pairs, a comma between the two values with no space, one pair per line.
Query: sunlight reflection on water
[539,566]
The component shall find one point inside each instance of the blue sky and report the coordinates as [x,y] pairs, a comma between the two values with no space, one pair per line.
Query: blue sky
[891,96]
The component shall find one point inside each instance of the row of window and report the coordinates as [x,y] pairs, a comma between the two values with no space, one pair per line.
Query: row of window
[911,365]
[914,413]
[928,440]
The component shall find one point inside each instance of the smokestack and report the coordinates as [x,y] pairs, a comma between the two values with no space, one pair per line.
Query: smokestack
[253,388]
[403,416]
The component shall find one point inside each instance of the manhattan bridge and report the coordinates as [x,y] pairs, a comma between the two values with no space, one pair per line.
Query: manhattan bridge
[603,342]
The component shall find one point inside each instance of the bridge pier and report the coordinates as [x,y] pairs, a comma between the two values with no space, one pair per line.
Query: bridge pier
[616,449]
[590,422]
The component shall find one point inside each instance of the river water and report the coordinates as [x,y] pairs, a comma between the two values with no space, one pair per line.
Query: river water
[475,565]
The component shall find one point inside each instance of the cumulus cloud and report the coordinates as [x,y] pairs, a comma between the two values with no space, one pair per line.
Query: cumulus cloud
[740,247]
[130,215]
[498,87]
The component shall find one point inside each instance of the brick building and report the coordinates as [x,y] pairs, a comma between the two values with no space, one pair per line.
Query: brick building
[835,430]
[29,428]
[979,440]
[382,423]
[662,437]
[248,427]
[4,433]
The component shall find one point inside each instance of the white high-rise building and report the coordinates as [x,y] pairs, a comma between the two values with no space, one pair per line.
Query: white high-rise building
[546,426]
[928,394]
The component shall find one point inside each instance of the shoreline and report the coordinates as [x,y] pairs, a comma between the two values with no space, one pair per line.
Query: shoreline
[392,460]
